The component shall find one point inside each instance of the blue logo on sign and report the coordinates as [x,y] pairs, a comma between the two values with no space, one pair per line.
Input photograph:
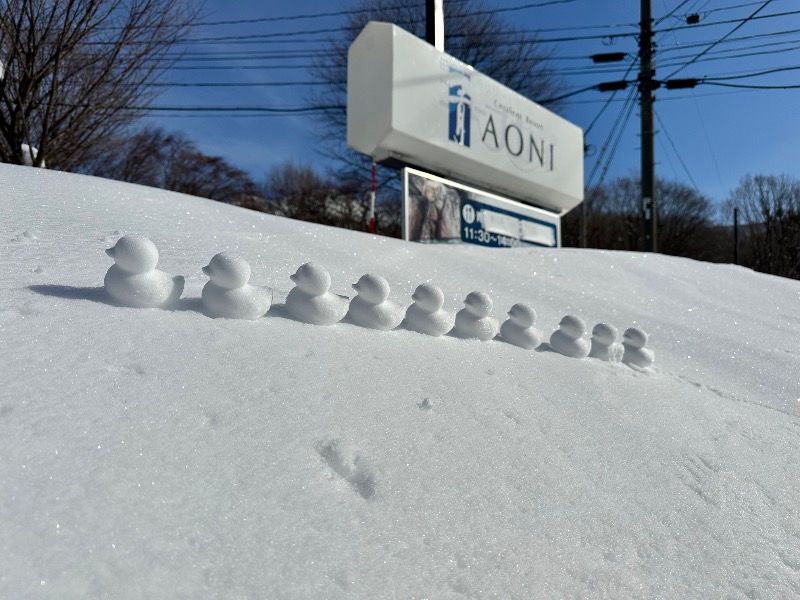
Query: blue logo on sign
[460,109]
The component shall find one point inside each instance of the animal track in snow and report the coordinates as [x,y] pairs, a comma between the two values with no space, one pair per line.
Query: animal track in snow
[352,470]
[727,396]
[25,237]
[700,475]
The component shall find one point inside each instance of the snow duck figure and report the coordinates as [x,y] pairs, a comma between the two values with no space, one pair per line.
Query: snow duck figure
[371,307]
[634,340]
[518,329]
[473,321]
[604,346]
[228,293]
[310,301]
[133,279]
[425,315]
[568,340]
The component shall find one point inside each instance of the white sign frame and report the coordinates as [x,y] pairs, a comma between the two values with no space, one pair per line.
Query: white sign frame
[410,105]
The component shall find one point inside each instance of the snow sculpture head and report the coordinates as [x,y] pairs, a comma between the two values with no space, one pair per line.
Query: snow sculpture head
[372,288]
[522,315]
[634,337]
[428,297]
[312,279]
[478,304]
[134,253]
[604,333]
[227,270]
[572,326]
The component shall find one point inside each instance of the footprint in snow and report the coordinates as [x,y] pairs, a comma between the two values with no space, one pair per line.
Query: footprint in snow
[349,466]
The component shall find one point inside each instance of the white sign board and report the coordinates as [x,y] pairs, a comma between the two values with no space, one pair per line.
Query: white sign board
[436,210]
[408,102]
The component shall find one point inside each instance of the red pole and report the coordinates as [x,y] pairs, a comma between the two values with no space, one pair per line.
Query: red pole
[372,198]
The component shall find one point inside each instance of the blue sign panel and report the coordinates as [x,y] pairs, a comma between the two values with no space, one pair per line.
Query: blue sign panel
[438,210]
[492,226]
[460,110]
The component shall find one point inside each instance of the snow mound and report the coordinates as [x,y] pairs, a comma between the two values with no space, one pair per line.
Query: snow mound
[165,454]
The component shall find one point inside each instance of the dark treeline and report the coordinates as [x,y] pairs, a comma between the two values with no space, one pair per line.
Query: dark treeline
[691,226]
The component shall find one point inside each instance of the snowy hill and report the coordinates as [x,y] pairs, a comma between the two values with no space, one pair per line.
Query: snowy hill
[150,453]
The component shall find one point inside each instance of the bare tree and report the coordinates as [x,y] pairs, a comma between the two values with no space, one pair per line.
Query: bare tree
[476,35]
[154,157]
[190,171]
[770,208]
[139,156]
[78,71]
[298,192]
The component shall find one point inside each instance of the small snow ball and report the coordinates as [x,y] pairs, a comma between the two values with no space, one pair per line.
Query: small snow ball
[310,301]
[371,307]
[133,279]
[634,341]
[604,346]
[473,321]
[425,315]
[228,293]
[518,328]
[567,339]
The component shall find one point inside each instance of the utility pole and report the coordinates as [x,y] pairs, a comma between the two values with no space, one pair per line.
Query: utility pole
[647,85]
[649,206]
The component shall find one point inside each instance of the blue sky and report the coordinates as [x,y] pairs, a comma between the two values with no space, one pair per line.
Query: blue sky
[708,137]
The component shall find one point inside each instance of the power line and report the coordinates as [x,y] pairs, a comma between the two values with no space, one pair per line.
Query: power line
[672,12]
[752,87]
[356,11]
[285,110]
[730,51]
[747,75]
[608,101]
[223,84]
[727,22]
[305,83]
[612,132]
[272,36]
[739,39]
[616,144]
[726,8]
[677,153]
[731,32]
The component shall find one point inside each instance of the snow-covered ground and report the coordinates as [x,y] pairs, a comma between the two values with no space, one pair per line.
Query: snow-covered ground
[150,453]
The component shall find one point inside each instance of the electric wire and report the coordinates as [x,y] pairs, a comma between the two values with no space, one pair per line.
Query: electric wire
[677,153]
[272,36]
[611,133]
[731,32]
[616,144]
[752,87]
[747,75]
[607,103]
[706,137]
[670,13]
[356,11]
